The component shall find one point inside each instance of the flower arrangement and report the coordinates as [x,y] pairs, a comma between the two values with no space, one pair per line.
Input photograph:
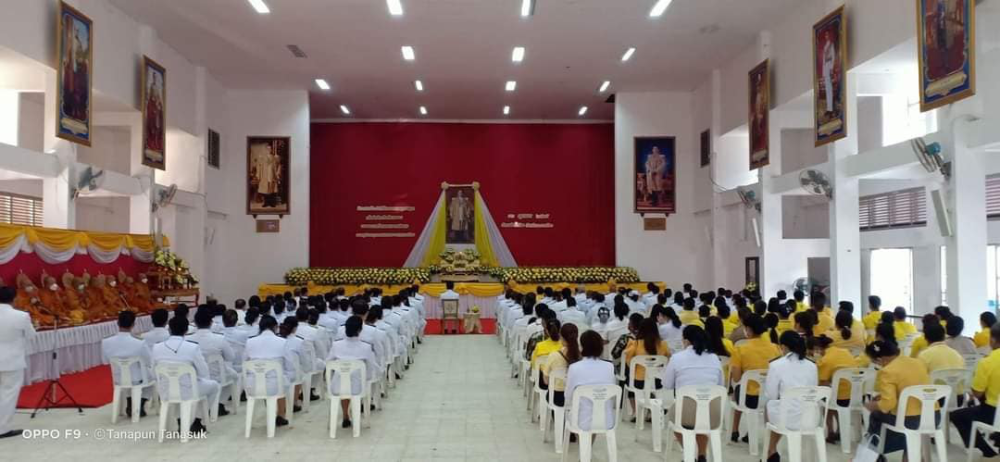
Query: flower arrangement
[172,270]
[338,276]
[452,261]
[565,274]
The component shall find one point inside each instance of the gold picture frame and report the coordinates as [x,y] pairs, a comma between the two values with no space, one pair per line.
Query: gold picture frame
[74,106]
[759,114]
[941,81]
[830,77]
[154,114]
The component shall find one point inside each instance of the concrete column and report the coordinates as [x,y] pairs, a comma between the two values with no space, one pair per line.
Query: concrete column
[769,222]
[966,202]
[927,279]
[845,237]
[140,212]
[720,274]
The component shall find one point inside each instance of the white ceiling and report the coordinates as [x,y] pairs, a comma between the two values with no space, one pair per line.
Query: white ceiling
[463,50]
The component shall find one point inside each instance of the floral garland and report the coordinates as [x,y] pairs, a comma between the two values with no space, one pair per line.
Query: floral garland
[173,266]
[565,274]
[337,276]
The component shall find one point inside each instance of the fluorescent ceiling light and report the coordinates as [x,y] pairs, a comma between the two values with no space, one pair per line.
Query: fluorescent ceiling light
[408,53]
[628,54]
[518,54]
[659,7]
[583,110]
[527,8]
[419,85]
[423,110]
[511,85]
[260,6]
[395,7]
[604,86]
[322,84]
[506,110]
[345,110]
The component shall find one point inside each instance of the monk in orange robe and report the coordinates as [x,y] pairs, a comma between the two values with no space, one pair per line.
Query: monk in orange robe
[52,298]
[109,292]
[143,296]
[27,299]
[95,298]
[75,297]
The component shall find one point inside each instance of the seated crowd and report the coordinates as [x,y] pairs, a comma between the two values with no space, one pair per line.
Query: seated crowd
[718,338]
[304,333]
[81,300]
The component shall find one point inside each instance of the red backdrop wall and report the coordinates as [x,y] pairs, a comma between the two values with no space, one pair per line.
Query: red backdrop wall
[564,170]
[31,265]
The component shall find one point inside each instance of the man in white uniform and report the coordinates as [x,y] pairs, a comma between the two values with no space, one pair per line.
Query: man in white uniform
[352,348]
[15,332]
[210,344]
[178,350]
[159,332]
[125,345]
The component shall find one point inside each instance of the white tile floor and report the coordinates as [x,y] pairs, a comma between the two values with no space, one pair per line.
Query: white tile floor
[456,403]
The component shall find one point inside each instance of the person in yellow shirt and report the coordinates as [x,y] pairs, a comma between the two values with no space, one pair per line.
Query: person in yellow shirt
[944,314]
[755,354]
[874,316]
[717,341]
[785,320]
[800,304]
[903,327]
[986,389]
[832,359]
[920,343]
[549,345]
[689,316]
[986,321]
[898,372]
[847,332]
[805,323]
[824,320]
[729,322]
[938,355]
[647,342]
[857,327]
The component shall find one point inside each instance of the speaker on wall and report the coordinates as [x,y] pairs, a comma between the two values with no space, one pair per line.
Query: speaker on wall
[941,212]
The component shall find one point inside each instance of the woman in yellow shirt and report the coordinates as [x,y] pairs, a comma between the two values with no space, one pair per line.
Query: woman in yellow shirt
[903,327]
[755,354]
[561,360]
[785,317]
[832,359]
[843,336]
[648,342]
[549,345]
[986,321]
[920,343]
[898,372]
[874,316]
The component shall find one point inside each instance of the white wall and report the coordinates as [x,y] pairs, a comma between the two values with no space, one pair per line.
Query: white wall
[106,214]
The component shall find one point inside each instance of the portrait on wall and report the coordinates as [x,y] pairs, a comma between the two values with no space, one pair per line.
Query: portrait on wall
[706,148]
[460,214]
[654,174]
[154,114]
[74,74]
[947,49]
[268,180]
[830,78]
[760,106]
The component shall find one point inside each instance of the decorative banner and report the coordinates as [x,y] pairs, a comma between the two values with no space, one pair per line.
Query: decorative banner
[946,42]
[74,74]
[268,175]
[760,106]
[654,175]
[154,114]
[830,78]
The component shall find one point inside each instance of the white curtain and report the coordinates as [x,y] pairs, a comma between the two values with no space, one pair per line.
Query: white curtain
[420,248]
[141,255]
[19,245]
[55,257]
[104,256]
[499,245]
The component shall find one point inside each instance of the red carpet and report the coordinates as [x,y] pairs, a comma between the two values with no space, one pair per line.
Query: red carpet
[434,326]
[90,388]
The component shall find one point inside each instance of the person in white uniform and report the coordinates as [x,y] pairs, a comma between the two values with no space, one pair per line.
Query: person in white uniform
[591,370]
[572,315]
[16,331]
[352,348]
[694,365]
[368,334]
[212,343]
[125,345]
[302,351]
[159,331]
[793,369]
[236,336]
[267,345]
[177,349]
[669,323]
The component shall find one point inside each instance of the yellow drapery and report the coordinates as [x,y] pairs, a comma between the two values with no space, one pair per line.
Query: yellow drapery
[65,239]
[439,236]
[478,289]
[483,245]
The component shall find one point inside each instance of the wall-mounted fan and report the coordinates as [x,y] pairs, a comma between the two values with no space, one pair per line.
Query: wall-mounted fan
[930,157]
[749,198]
[90,179]
[816,182]
[163,196]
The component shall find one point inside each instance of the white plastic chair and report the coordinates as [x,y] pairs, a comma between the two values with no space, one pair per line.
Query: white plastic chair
[971,361]
[906,345]
[292,396]
[703,398]
[231,384]
[960,381]
[858,378]
[557,376]
[981,428]
[653,364]
[256,389]
[756,416]
[170,374]
[928,396]
[346,369]
[600,396]
[536,401]
[125,382]
[812,404]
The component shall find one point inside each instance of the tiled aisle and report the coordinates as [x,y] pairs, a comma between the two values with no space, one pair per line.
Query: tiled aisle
[456,403]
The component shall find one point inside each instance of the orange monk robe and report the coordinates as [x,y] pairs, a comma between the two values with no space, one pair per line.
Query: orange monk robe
[30,303]
[145,299]
[56,303]
[128,291]
[112,300]
[96,308]
[76,303]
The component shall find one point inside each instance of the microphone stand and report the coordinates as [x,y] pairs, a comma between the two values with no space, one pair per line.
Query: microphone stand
[50,398]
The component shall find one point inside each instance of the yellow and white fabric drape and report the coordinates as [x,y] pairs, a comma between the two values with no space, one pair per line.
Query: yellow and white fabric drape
[492,248]
[54,246]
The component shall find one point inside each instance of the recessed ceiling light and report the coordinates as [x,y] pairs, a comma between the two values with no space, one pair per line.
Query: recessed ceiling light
[408,53]
[527,8]
[260,6]
[628,54]
[345,110]
[604,86]
[583,110]
[506,110]
[423,110]
[395,7]
[322,84]
[511,85]
[659,7]
[419,85]
[518,54]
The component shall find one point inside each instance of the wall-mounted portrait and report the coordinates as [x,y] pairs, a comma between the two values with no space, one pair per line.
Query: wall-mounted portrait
[759,119]
[268,179]
[946,41]
[654,175]
[154,114]
[830,78]
[74,74]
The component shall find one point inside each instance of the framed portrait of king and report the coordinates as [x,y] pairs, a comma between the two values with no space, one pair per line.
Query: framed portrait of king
[268,175]
[759,115]
[654,175]
[830,78]
[154,114]
[74,74]
[460,214]
[946,42]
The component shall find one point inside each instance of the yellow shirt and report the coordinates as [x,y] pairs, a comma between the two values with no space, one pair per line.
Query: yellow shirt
[857,339]
[941,356]
[902,329]
[825,324]
[871,320]
[987,377]
[834,360]
[728,345]
[728,325]
[892,379]
[690,318]
[982,338]
[918,345]
[783,325]
[755,354]
[638,348]
[800,307]
[543,348]
[555,362]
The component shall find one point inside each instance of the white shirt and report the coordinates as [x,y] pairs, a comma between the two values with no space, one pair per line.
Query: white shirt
[670,333]
[783,374]
[449,295]
[689,368]
[15,332]
[589,371]
[559,306]
[267,345]
[154,336]
[124,345]
[573,316]
[210,344]
[348,349]
[369,336]
[178,350]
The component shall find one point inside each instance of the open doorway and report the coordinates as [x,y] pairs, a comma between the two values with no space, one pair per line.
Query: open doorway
[892,277]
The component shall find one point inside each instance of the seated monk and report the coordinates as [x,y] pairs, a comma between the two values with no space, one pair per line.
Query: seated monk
[112,298]
[143,297]
[27,300]
[75,297]
[52,298]
[96,309]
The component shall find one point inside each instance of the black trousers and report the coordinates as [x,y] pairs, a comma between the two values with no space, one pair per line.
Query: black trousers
[963,419]
[894,441]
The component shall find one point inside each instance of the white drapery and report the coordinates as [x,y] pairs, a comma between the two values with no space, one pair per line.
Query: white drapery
[53,256]
[424,241]
[499,245]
